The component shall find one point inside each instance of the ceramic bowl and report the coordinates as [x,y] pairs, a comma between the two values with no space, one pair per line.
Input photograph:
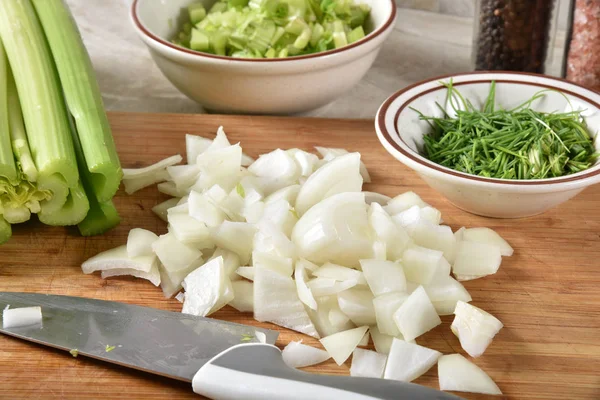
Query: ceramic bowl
[258,86]
[401,133]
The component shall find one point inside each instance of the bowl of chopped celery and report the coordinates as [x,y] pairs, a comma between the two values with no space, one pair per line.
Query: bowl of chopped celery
[264,56]
[497,144]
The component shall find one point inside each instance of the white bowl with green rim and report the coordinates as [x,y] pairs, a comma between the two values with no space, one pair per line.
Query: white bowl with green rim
[401,132]
[258,86]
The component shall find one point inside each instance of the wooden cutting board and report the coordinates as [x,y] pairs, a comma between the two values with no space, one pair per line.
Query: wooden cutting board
[547,294]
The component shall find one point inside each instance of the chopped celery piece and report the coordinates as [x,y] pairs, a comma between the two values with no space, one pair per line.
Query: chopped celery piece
[72,212]
[339,35]
[8,168]
[274,28]
[197,12]
[82,95]
[39,91]
[5,231]
[199,41]
[356,34]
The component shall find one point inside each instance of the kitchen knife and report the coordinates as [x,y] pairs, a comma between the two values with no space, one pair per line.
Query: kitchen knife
[223,360]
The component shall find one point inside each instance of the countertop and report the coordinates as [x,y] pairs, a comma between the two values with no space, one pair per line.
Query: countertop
[423,45]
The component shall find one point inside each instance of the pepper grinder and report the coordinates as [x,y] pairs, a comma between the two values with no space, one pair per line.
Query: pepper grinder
[512,35]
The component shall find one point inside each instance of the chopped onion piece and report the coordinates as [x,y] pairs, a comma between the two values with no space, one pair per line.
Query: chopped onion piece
[219,166]
[394,236]
[276,301]
[436,237]
[298,355]
[305,160]
[424,265]
[385,306]
[489,236]
[243,299]
[220,141]
[340,345]
[180,297]
[117,258]
[340,273]
[236,237]
[161,209]
[431,215]
[322,184]
[304,292]
[174,255]
[383,276]
[335,230]
[328,318]
[445,293]
[307,265]
[204,210]
[372,197]
[231,262]
[283,265]
[458,374]
[474,328]
[153,275]
[476,259]
[407,219]
[139,242]
[246,160]
[19,317]
[132,185]
[246,272]
[288,193]
[357,304]
[194,146]
[329,154]
[327,286]
[365,340]
[134,173]
[407,361]
[183,176]
[170,189]
[189,230]
[367,363]
[253,212]
[276,169]
[416,315]
[403,202]
[281,215]
[205,289]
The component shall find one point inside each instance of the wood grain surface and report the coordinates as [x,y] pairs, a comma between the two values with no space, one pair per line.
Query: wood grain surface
[547,294]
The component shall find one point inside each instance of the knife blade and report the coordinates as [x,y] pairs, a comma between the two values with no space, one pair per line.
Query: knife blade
[222,360]
[170,344]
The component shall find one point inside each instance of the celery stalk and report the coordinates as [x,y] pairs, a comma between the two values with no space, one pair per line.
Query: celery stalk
[82,95]
[18,136]
[39,92]
[5,231]
[72,212]
[8,170]
[101,218]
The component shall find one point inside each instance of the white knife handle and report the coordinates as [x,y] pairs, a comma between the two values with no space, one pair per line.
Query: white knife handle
[257,372]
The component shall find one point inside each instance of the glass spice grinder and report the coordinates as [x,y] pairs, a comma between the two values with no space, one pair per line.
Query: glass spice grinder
[512,35]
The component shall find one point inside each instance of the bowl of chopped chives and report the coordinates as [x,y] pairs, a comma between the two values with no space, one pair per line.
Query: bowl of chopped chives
[263,56]
[496,144]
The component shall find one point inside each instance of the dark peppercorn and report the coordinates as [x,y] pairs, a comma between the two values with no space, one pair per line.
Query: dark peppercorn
[513,35]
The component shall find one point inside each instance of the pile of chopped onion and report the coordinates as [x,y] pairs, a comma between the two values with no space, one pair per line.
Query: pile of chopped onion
[293,238]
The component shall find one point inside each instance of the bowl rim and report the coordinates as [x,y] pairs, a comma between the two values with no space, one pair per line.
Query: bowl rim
[385,135]
[371,36]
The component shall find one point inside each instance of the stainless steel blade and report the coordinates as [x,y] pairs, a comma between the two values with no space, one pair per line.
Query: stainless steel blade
[166,343]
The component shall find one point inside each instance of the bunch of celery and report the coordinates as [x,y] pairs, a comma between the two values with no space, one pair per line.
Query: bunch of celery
[273,28]
[57,155]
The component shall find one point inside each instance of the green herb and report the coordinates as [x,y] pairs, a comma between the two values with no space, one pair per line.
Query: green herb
[108,348]
[272,28]
[508,144]
[74,352]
